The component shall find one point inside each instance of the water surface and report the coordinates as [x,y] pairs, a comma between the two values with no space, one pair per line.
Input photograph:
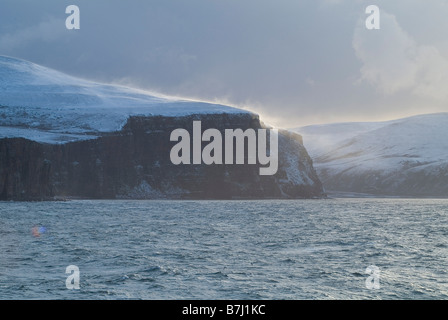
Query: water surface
[296,249]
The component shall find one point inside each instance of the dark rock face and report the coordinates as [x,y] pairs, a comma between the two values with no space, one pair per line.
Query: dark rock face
[135,163]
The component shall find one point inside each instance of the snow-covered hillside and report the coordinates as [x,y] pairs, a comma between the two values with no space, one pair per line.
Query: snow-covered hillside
[45,105]
[401,157]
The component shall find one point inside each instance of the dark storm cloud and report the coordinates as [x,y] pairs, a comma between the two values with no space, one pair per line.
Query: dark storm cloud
[294,62]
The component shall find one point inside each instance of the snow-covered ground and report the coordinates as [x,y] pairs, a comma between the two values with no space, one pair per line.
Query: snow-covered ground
[417,140]
[48,106]
[380,151]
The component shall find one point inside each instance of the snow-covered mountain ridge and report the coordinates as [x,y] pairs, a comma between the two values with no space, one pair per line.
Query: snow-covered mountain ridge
[400,157]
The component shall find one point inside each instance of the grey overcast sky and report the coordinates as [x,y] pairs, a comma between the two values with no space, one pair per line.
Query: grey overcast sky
[295,62]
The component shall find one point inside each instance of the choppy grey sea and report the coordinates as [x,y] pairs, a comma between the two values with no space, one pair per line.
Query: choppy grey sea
[295,249]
